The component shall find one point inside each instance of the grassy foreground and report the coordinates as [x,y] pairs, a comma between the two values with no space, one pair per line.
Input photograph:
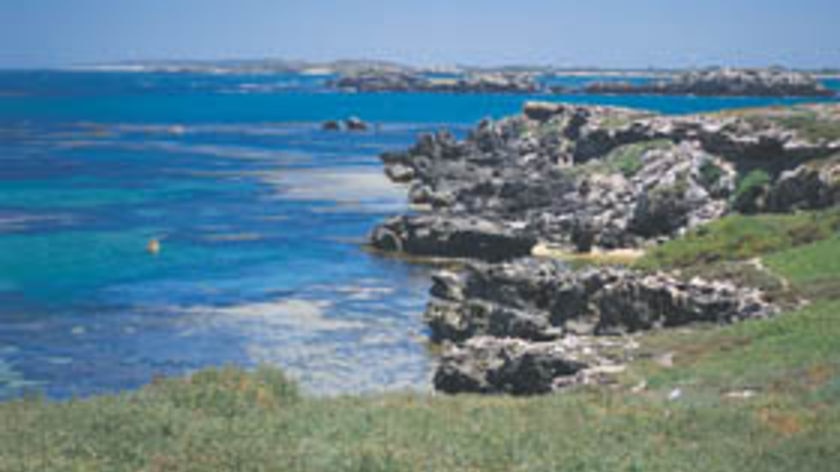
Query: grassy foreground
[761,396]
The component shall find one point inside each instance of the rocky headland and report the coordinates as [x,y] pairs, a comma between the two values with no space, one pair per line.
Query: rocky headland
[723,82]
[581,178]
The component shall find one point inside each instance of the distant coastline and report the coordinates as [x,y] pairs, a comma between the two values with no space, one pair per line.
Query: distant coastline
[340,67]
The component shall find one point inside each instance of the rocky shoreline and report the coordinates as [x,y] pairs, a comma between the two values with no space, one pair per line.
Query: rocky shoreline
[584,177]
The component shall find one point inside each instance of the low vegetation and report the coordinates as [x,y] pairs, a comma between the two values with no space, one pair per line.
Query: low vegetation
[750,188]
[760,395]
[626,160]
[811,122]
[740,237]
[812,126]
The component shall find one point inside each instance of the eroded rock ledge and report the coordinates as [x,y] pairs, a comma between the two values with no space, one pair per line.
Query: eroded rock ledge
[537,315]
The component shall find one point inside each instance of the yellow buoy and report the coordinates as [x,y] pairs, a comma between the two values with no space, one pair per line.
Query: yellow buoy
[153,247]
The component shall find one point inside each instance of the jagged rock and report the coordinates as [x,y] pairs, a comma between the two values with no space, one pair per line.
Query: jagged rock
[637,302]
[538,300]
[440,236]
[530,326]
[494,365]
[458,322]
[400,173]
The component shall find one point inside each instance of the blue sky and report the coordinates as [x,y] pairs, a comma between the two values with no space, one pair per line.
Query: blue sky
[610,33]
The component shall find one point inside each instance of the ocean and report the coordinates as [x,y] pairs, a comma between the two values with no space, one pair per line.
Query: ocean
[261,218]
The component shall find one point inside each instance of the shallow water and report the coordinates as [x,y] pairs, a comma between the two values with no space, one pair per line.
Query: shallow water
[260,216]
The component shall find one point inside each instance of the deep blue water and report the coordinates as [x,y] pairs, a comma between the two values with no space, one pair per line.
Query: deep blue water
[260,215]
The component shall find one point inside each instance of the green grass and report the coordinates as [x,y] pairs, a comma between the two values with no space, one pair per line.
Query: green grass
[227,420]
[740,237]
[812,270]
[811,126]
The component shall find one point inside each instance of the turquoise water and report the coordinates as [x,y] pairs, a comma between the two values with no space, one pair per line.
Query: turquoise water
[260,216]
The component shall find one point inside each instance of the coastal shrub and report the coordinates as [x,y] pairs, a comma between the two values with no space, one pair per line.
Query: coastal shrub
[710,174]
[629,165]
[750,191]
[628,159]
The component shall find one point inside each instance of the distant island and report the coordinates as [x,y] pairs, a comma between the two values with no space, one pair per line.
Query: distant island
[713,82]
[728,82]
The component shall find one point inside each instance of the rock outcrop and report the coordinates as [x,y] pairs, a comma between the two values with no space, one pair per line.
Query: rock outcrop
[531,326]
[811,185]
[587,176]
[438,236]
[516,367]
[723,82]
[584,177]
[542,300]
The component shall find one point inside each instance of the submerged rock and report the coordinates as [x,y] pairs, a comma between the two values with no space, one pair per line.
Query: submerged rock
[331,125]
[355,124]
[350,124]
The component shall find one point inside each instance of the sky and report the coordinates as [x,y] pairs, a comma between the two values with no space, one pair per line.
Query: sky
[605,33]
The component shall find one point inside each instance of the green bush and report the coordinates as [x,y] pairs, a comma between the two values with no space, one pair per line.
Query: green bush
[627,159]
[710,174]
[750,190]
